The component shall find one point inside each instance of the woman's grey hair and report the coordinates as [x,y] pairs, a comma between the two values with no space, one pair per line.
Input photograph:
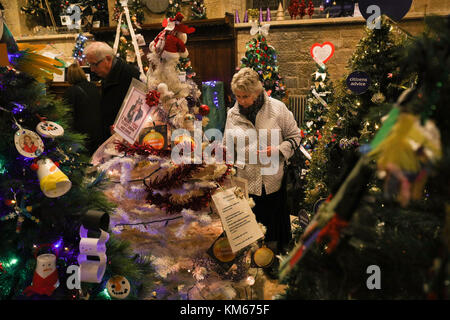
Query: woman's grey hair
[99,50]
[246,80]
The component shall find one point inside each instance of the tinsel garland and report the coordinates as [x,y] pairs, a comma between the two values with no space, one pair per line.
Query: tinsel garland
[195,203]
[163,201]
[176,178]
[141,150]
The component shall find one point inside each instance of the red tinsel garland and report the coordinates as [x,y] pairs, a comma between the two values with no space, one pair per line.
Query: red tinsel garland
[176,178]
[195,203]
[141,149]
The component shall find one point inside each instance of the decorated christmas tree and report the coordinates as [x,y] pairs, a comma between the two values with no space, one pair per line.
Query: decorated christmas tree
[173,8]
[125,46]
[384,219]
[198,10]
[52,211]
[262,57]
[317,100]
[164,207]
[78,50]
[353,118]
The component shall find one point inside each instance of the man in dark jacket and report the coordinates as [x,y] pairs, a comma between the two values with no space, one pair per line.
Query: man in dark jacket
[116,75]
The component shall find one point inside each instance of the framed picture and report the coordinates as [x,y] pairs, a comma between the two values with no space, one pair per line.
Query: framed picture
[133,113]
[28,143]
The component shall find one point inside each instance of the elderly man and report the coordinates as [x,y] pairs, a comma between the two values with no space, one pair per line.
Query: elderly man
[116,75]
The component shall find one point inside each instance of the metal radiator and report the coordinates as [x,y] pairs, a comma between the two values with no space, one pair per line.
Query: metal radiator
[297,105]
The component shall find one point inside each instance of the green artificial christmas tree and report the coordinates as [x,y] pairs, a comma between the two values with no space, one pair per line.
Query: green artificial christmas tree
[319,96]
[46,192]
[352,119]
[198,10]
[384,219]
[126,49]
[262,57]
[173,8]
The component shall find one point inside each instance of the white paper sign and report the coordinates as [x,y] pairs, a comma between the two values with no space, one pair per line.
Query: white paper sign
[133,113]
[238,219]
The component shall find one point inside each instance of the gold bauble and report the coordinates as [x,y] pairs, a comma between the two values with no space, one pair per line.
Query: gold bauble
[263,257]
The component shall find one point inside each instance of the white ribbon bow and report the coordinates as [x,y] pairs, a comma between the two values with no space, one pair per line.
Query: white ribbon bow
[261,29]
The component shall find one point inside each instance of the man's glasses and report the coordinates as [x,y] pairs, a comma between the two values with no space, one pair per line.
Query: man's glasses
[95,64]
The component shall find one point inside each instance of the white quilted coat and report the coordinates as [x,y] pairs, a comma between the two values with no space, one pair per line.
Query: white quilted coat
[273,115]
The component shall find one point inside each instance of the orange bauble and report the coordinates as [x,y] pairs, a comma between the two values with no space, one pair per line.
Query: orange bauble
[154,139]
[222,250]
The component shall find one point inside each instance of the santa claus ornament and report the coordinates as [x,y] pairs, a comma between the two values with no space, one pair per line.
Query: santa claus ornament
[170,43]
[45,278]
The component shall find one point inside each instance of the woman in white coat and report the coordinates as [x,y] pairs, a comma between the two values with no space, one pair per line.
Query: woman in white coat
[261,161]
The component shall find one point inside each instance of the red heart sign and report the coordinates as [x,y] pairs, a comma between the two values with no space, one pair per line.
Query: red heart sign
[322,52]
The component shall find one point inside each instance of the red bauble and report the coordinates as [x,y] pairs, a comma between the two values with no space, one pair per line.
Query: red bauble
[9,203]
[204,110]
[34,166]
[56,163]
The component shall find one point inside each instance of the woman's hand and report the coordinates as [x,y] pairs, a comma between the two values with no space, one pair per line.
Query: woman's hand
[268,150]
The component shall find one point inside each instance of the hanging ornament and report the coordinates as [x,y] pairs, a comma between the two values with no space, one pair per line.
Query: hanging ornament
[130,56]
[263,257]
[378,98]
[154,139]
[49,129]
[204,110]
[222,250]
[20,211]
[45,278]
[124,29]
[28,143]
[54,183]
[118,287]
[92,258]
[189,122]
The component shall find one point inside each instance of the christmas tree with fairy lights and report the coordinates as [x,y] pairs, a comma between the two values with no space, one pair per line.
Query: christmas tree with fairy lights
[165,206]
[48,195]
[262,57]
[384,212]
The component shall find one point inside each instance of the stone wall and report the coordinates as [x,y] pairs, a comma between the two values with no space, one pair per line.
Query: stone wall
[293,45]
[292,42]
